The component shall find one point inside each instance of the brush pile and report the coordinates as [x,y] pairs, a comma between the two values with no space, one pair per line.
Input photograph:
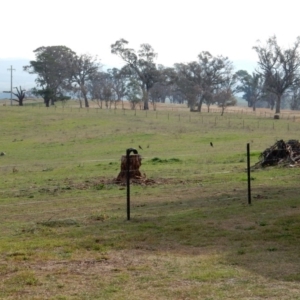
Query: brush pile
[281,153]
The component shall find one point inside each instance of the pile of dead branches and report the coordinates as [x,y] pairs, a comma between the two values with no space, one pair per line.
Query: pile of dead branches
[281,153]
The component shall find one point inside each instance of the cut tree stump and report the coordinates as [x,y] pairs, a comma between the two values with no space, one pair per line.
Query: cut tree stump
[135,161]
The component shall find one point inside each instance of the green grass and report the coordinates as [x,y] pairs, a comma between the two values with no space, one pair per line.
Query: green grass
[192,235]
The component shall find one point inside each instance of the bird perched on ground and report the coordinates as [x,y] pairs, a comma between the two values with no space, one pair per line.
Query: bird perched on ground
[140,147]
[211,144]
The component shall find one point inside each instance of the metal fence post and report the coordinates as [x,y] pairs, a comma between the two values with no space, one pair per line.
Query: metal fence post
[248,172]
[128,151]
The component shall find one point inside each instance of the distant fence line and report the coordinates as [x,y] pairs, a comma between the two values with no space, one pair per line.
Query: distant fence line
[289,115]
[209,118]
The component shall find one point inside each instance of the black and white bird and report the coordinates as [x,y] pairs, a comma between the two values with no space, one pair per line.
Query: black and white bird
[211,144]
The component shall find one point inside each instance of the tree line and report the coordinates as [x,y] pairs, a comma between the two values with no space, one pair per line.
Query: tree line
[62,74]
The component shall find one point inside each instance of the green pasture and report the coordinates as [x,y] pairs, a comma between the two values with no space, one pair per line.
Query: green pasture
[192,234]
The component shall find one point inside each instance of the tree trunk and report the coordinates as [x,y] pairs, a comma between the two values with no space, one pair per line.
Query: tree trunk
[135,162]
[154,105]
[223,109]
[200,106]
[278,100]
[145,99]
[86,102]
[84,93]
[46,101]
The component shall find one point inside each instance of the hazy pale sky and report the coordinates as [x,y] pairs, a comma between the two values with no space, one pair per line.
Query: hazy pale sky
[178,30]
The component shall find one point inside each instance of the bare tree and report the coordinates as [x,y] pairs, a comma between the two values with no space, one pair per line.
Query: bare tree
[20,94]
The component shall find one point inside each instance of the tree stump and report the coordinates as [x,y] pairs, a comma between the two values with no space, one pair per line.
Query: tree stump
[135,162]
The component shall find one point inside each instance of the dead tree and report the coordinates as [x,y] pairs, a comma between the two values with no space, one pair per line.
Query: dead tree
[20,94]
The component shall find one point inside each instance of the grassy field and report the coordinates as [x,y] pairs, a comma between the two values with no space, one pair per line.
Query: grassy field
[192,234]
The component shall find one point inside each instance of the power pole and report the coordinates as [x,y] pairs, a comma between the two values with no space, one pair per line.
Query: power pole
[11,83]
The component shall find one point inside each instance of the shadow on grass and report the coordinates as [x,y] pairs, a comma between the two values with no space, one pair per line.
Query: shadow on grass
[262,238]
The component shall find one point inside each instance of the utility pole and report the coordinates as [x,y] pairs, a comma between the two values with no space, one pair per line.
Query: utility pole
[11,83]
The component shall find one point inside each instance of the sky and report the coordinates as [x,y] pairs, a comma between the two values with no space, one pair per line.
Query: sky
[178,30]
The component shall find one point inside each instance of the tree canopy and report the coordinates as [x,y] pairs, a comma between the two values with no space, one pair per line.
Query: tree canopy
[201,80]
[208,80]
[51,68]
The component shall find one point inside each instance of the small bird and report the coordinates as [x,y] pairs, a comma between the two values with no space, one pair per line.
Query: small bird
[148,146]
[140,147]
[211,144]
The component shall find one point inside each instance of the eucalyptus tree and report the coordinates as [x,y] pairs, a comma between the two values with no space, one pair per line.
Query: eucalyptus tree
[134,92]
[176,95]
[187,84]
[252,86]
[225,90]
[278,66]
[101,89]
[94,88]
[158,93]
[119,83]
[51,67]
[198,80]
[162,89]
[268,100]
[141,64]
[216,73]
